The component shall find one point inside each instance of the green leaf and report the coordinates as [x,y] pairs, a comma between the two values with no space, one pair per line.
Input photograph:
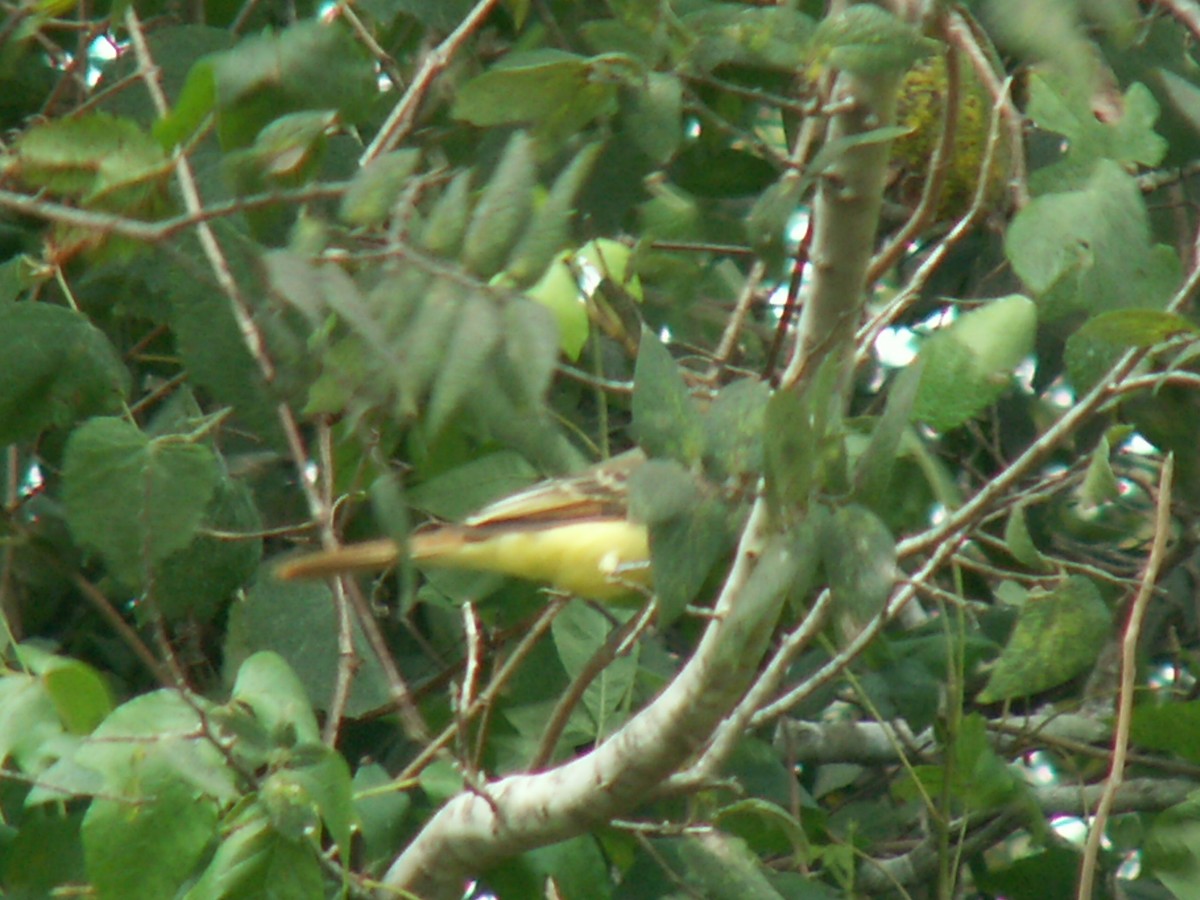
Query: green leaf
[873,472]
[135,499]
[55,367]
[1020,542]
[1128,140]
[1100,483]
[1050,873]
[665,418]
[1172,848]
[558,291]
[269,686]
[968,365]
[557,92]
[766,827]
[716,866]
[859,554]
[1058,636]
[689,532]
[548,233]
[306,636]
[255,861]
[152,735]
[84,156]
[374,190]
[147,847]
[803,443]
[1088,250]
[772,37]
[733,428]
[1171,727]
[80,695]
[503,211]
[579,631]
[193,582]
[465,358]
[868,40]
[1098,344]
[654,116]
[768,220]
[324,776]
[447,223]
[308,66]
[576,868]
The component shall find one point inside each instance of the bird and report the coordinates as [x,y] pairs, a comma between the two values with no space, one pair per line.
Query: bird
[572,534]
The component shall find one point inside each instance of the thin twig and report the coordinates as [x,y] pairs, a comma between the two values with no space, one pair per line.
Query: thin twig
[616,643]
[404,113]
[1129,660]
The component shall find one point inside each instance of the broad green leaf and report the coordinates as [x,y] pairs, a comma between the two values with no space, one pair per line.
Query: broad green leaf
[1170,727]
[87,156]
[292,812]
[286,147]
[208,336]
[868,40]
[654,116]
[968,365]
[151,735]
[859,554]
[503,210]
[255,861]
[1130,139]
[374,190]
[55,367]
[733,429]
[447,223]
[979,779]
[80,695]
[269,686]
[381,810]
[531,344]
[689,532]
[555,91]
[1089,250]
[1020,542]
[768,220]
[146,847]
[1051,873]
[464,358]
[323,775]
[193,582]
[873,472]
[576,867]
[803,443]
[44,852]
[717,866]
[766,827]
[1100,483]
[29,722]
[579,631]
[1172,849]
[558,291]
[1101,340]
[769,37]
[306,636]
[135,499]
[309,66]
[1058,636]
[548,233]
[665,417]
[195,102]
